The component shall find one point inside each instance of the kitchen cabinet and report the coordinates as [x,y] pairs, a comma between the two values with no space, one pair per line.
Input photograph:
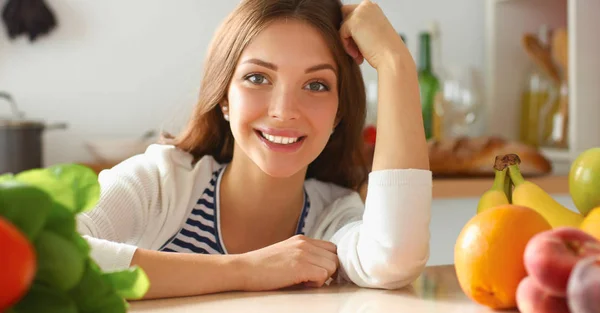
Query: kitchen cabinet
[507,66]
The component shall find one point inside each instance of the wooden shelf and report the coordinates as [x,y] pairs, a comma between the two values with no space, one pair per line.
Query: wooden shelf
[475,187]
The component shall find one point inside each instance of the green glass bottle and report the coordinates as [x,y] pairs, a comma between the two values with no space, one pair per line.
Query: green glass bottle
[428,84]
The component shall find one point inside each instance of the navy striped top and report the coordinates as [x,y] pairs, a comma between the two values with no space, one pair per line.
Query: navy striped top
[200,232]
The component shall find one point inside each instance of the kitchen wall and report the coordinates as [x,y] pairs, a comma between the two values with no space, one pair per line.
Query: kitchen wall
[117,68]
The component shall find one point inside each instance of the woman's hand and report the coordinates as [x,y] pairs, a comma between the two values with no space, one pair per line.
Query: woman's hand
[298,260]
[367,34]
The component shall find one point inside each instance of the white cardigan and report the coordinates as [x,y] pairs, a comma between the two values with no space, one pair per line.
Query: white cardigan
[381,244]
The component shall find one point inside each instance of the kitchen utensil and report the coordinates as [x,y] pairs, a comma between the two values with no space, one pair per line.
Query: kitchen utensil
[540,56]
[560,54]
[21,142]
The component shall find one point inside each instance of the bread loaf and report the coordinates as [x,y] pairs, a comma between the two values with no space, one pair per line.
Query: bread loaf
[475,156]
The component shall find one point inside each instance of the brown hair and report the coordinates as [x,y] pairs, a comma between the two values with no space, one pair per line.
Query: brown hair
[207,133]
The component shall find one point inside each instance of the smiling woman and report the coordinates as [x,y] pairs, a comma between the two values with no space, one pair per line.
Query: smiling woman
[259,192]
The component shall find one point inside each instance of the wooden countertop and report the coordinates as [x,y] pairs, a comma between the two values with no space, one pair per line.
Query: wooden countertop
[475,187]
[436,290]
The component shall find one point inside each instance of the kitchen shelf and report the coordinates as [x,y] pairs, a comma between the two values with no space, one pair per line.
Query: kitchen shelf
[507,67]
[557,155]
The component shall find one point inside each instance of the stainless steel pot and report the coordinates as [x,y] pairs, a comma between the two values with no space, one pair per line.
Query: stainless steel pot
[21,142]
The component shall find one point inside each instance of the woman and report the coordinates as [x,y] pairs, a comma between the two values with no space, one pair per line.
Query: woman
[260,191]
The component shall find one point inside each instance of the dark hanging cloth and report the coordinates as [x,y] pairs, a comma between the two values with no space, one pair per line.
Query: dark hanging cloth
[31,18]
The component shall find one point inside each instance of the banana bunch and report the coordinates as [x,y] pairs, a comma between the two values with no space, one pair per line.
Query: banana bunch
[510,187]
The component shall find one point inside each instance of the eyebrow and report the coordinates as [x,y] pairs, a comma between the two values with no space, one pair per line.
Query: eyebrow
[271,66]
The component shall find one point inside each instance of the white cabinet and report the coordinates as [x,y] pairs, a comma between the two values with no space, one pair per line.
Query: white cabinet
[507,68]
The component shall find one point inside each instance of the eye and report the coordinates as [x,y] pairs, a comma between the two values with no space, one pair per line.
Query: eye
[257,79]
[317,86]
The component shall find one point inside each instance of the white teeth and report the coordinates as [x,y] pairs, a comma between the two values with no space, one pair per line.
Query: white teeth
[279,139]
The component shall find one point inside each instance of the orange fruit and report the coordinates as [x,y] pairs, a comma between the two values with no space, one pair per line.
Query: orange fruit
[488,254]
[591,223]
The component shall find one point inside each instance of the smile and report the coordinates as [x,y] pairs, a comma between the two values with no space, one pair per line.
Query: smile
[280,139]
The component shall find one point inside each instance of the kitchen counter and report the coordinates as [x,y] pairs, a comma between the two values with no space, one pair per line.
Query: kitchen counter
[436,290]
[469,187]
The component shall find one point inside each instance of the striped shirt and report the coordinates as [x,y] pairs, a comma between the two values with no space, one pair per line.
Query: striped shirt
[200,232]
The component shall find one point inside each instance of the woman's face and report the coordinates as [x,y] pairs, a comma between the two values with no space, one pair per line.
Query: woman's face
[283,98]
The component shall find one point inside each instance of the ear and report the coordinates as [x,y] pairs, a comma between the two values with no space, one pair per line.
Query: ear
[336,122]
[223,103]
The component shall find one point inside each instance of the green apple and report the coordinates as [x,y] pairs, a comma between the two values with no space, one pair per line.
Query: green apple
[584,180]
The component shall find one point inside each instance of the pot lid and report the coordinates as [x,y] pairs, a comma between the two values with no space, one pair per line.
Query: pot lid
[19,123]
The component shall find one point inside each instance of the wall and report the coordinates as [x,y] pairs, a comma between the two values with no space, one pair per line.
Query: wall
[118,68]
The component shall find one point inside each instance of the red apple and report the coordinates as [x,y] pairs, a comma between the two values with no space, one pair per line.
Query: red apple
[551,255]
[532,298]
[583,289]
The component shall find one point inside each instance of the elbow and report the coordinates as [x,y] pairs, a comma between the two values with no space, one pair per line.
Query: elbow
[396,270]
[382,266]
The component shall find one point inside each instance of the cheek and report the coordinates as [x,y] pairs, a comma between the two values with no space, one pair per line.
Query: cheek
[323,113]
[245,105]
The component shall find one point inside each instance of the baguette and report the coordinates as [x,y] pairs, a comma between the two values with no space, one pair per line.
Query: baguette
[475,156]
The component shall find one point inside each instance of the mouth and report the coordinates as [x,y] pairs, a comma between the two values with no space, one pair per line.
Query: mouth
[279,140]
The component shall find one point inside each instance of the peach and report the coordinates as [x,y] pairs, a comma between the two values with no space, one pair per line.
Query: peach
[532,298]
[551,255]
[583,289]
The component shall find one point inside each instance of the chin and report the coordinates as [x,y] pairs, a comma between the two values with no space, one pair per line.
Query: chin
[280,169]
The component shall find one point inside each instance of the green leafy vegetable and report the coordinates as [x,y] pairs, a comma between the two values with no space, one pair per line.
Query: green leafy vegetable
[130,284]
[43,203]
[61,221]
[94,290]
[72,185]
[60,263]
[24,206]
[41,298]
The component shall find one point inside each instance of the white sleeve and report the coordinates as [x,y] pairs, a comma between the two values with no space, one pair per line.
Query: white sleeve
[127,193]
[384,244]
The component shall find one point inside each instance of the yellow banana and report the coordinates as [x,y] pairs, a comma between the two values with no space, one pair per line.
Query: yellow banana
[533,196]
[497,195]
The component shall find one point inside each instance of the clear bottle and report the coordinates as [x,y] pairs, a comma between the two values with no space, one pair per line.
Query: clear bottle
[538,101]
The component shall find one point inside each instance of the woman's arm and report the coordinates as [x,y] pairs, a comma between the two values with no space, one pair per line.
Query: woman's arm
[296,260]
[387,245]
[185,274]
[401,142]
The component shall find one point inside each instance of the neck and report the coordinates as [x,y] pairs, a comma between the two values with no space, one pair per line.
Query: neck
[249,192]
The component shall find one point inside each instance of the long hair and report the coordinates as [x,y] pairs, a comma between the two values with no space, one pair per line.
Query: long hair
[207,133]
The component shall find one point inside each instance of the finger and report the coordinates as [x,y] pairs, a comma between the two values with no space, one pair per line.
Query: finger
[355,51]
[345,30]
[348,8]
[327,245]
[327,261]
[347,41]
[360,59]
[332,259]
[317,276]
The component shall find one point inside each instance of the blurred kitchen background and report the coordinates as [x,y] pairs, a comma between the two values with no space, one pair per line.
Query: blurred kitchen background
[115,73]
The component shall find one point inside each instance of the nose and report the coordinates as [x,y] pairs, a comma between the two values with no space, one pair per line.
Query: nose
[284,104]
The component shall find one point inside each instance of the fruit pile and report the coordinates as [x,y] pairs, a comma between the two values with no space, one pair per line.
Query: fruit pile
[45,264]
[524,250]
